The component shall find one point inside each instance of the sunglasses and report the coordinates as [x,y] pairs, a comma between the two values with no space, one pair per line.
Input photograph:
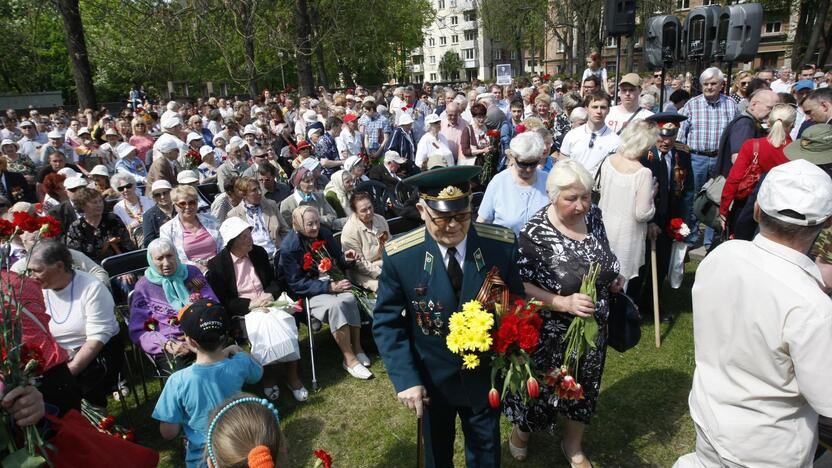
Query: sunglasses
[526,165]
[124,187]
[443,221]
[592,140]
[186,204]
[744,83]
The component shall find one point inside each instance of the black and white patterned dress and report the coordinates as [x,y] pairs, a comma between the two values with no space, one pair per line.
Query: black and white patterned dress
[557,263]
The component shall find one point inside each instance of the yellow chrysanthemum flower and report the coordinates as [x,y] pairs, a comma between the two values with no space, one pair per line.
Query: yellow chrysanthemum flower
[470,361]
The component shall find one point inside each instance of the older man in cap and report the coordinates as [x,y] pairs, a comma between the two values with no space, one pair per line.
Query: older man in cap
[763,332]
[171,125]
[670,164]
[429,273]
[165,167]
[403,139]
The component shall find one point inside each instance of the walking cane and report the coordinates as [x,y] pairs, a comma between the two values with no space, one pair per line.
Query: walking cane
[655,276]
[420,459]
[311,343]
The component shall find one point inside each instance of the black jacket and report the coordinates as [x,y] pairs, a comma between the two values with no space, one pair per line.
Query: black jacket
[223,280]
[65,213]
[670,202]
[17,189]
[152,220]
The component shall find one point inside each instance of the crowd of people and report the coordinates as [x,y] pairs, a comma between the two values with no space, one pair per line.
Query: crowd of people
[244,206]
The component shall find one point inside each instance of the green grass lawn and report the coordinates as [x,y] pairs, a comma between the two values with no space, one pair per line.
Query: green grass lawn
[642,416]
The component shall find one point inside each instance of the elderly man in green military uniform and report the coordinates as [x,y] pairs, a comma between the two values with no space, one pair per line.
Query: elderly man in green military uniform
[429,273]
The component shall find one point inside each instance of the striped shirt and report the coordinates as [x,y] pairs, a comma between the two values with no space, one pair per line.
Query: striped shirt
[706,121]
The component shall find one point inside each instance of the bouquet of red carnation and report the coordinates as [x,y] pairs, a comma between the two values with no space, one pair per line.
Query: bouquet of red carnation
[106,423]
[515,339]
[581,334]
[547,76]
[319,259]
[492,158]
[192,159]
[519,128]
[678,230]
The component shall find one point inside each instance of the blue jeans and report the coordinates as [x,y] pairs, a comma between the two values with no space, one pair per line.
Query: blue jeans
[702,168]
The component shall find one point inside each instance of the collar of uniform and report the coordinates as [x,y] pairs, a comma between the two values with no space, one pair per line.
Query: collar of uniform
[460,249]
[790,255]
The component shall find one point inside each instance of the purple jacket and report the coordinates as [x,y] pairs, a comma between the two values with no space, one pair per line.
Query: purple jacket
[148,302]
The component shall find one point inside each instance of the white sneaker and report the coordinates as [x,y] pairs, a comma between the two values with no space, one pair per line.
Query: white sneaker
[363,359]
[359,371]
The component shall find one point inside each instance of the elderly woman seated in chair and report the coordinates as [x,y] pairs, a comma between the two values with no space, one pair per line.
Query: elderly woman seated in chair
[166,287]
[245,281]
[365,232]
[329,296]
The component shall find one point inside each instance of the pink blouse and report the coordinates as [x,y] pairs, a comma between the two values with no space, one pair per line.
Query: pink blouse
[248,285]
[199,245]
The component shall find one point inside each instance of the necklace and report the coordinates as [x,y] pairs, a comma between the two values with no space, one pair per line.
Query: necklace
[71,298]
[130,213]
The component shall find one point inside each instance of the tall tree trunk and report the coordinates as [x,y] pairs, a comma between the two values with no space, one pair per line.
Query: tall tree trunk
[306,83]
[518,50]
[76,45]
[800,31]
[631,47]
[247,23]
[827,47]
[323,79]
[817,28]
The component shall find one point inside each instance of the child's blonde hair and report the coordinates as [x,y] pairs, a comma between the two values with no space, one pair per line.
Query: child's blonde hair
[245,432]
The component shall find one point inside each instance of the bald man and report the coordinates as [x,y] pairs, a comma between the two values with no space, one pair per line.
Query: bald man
[746,125]
[452,127]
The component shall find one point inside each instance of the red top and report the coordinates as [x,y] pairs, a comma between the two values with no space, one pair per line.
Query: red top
[35,319]
[768,158]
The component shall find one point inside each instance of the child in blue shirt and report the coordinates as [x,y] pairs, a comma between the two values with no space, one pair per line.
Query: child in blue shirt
[192,393]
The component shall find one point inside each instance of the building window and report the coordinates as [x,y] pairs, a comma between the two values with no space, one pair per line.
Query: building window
[443,41]
[709,2]
[455,39]
[433,60]
[682,4]
[498,54]
[431,42]
[440,4]
[468,54]
[774,27]
[454,20]
[471,35]
[416,59]
[432,77]
[561,46]
[610,42]
[513,55]
[470,15]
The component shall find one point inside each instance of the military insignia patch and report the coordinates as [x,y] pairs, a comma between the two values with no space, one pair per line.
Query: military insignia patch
[428,267]
[480,262]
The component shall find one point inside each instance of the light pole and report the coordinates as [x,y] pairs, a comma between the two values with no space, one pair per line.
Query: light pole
[282,78]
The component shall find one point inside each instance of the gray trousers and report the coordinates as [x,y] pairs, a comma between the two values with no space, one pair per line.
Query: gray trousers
[336,309]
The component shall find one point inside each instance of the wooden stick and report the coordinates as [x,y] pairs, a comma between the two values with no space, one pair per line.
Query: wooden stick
[655,276]
[420,457]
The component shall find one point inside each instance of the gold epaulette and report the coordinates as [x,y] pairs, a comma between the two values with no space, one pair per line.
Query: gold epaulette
[495,232]
[405,241]
[682,147]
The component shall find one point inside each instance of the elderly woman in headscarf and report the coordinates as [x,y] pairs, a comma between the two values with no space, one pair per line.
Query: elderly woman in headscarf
[305,194]
[338,192]
[167,286]
[243,276]
[330,299]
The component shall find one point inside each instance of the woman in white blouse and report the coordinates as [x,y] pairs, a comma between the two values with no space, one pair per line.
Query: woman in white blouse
[82,320]
[430,142]
[627,191]
[130,209]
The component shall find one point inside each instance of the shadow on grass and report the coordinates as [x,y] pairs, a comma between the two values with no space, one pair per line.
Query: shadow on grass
[403,451]
[643,408]
[300,436]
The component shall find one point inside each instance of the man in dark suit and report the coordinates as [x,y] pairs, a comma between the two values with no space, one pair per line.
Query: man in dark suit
[670,163]
[429,273]
[66,212]
[13,185]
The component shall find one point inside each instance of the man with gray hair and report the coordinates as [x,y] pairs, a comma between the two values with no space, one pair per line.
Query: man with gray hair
[783,83]
[762,330]
[708,114]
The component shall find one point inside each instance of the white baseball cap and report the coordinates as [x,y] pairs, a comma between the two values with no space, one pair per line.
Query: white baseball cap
[231,228]
[83,130]
[55,133]
[101,170]
[405,119]
[166,145]
[797,192]
[432,118]
[124,149]
[69,172]
[111,132]
[394,156]
[351,162]
[160,185]
[192,136]
[72,183]
[250,130]
[310,116]
[187,177]
[204,150]
[170,121]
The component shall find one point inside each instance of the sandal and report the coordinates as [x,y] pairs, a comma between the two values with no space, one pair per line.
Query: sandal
[582,462]
[272,393]
[519,453]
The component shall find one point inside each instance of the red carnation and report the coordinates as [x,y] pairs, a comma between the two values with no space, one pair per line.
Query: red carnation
[151,324]
[528,338]
[25,221]
[546,76]
[520,128]
[493,133]
[6,228]
[38,206]
[324,457]
[317,245]
[325,265]
[307,261]
[676,223]
[53,227]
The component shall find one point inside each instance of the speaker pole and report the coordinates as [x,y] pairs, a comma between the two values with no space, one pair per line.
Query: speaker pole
[617,70]
[730,75]
[662,91]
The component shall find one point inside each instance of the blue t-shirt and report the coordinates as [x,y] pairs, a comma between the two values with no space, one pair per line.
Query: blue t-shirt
[192,393]
[507,204]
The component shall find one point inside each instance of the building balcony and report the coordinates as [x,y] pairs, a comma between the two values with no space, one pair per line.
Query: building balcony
[415,68]
[471,63]
[417,51]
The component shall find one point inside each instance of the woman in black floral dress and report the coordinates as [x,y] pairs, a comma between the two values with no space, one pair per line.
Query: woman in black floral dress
[98,234]
[557,246]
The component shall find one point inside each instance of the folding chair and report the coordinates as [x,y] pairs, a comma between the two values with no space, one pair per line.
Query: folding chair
[208,191]
[400,225]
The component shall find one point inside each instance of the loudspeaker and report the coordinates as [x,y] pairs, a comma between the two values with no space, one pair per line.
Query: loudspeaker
[738,32]
[620,17]
[700,31]
[663,41]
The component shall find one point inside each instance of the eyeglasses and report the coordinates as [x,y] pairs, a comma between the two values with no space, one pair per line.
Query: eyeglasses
[124,187]
[526,165]
[163,192]
[592,140]
[744,83]
[444,221]
[186,204]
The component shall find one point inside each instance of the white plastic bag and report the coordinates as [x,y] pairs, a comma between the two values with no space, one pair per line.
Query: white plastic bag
[273,335]
[676,269]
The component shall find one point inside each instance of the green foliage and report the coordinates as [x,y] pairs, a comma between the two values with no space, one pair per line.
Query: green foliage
[449,65]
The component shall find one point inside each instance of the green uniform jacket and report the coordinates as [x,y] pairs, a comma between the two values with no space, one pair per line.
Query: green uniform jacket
[414,280]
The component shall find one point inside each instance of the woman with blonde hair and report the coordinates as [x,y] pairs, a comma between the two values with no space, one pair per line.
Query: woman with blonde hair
[766,153]
[627,189]
[196,236]
[739,85]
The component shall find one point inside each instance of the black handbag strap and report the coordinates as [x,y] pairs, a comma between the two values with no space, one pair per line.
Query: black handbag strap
[628,121]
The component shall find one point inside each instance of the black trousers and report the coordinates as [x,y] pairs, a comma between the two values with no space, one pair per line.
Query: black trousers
[59,389]
[640,288]
[480,427]
[100,377]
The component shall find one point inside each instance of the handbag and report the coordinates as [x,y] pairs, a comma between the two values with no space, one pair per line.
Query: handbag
[751,176]
[706,202]
[624,323]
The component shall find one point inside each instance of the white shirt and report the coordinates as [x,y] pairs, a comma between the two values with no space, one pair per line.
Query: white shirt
[780,86]
[89,316]
[349,142]
[460,253]
[120,210]
[763,335]
[618,117]
[576,146]
[429,144]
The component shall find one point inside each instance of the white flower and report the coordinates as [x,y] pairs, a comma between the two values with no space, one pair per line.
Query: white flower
[684,230]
